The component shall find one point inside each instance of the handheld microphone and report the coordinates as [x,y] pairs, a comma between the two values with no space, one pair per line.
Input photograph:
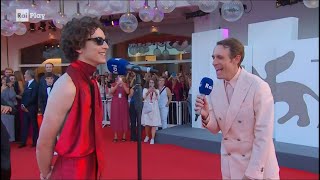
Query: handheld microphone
[120,66]
[205,88]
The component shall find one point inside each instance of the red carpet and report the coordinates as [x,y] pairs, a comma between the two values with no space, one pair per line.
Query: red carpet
[158,162]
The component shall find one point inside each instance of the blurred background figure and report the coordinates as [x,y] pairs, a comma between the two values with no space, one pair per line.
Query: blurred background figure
[8,95]
[108,98]
[5,145]
[133,99]
[45,91]
[29,105]
[165,98]
[8,72]
[119,120]
[189,99]
[48,69]
[19,88]
[150,117]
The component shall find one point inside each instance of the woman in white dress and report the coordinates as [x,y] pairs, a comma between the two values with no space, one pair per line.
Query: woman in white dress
[150,117]
[165,98]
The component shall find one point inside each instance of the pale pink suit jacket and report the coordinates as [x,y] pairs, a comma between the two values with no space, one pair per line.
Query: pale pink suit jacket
[246,124]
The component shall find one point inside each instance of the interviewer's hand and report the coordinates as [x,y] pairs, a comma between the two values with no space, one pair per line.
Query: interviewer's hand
[202,104]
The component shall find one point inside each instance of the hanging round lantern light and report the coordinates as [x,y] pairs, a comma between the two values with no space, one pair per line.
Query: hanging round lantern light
[225,1]
[7,27]
[208,5]
[167,6]
[117,5]
[21,29]
[78,14]
[146,48]
[4,7]
[128,22]
[11,10]
[165,52]
[60,21]
[132,49]
[157,51]
[146,14]
[34,9]
[158,14]
[91,10]
[141,48]
[49,8]
[188,49]
[60,18]
[106,11]
[193,2]
[136,5]
[311,3]
[232,11]
[7,32]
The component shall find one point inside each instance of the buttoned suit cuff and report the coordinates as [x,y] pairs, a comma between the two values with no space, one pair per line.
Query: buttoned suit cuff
[255,172]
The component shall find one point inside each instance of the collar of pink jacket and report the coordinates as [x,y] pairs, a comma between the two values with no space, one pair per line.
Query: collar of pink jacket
[234,80]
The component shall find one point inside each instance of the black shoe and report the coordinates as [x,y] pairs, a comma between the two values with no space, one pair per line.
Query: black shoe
[22,145]
[33,145]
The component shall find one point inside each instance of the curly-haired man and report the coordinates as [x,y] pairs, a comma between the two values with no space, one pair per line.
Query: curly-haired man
[73,111]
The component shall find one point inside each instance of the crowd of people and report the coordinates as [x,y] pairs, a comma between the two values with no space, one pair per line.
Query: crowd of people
[29,97]
[117,91]
[158,93]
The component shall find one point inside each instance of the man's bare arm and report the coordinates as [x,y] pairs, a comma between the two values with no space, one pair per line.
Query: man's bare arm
[59,103]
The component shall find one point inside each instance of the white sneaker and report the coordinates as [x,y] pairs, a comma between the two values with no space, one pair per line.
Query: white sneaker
[104,123]
[152,141]
[146,139]
[55,153]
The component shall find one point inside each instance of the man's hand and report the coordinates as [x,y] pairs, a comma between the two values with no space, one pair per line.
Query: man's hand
[24,108]
[202,106]
[120,83]
[5,109]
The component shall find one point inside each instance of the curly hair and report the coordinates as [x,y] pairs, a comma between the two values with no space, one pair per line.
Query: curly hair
[75,34]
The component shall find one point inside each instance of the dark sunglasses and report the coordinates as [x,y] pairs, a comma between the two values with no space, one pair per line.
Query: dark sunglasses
[99,40]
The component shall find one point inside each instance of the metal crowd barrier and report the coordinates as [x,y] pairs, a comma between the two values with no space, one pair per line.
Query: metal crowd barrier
[105,104]
[178,113]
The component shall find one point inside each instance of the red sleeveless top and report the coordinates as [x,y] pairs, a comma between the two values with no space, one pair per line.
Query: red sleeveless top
[81,145]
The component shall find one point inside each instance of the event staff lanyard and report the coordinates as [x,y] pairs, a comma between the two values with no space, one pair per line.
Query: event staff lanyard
[151,97]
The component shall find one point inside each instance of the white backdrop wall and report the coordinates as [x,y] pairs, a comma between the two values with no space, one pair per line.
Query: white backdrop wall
[289,65]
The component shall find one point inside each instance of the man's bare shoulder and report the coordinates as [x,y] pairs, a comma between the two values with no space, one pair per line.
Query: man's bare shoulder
[64,84]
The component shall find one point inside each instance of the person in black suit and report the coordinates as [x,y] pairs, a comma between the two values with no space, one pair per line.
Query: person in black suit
[48,68]
[44,91]
[29,108]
